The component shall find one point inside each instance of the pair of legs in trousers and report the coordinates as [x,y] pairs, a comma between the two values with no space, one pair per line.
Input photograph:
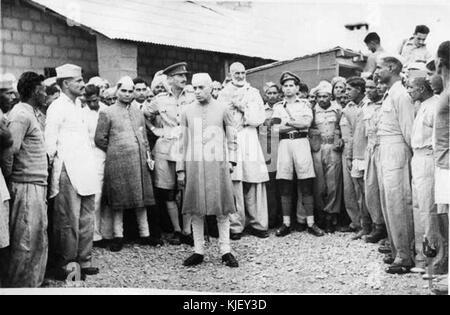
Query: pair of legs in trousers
[395,158]
[426,220]
[373,194]
[327,184]
[198,226]
[28,250]
[350,192]
[251,204]
[73,225]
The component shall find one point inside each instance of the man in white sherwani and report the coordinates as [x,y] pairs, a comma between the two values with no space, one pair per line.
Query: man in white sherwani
[73,178]
[251,172]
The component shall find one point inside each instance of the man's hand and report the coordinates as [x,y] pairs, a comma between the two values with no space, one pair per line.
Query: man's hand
[181,180]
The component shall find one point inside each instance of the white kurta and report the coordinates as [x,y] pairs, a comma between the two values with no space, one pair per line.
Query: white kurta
[67,142]
[251,166]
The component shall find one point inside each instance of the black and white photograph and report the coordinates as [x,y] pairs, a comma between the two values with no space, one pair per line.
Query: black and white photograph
[224,149]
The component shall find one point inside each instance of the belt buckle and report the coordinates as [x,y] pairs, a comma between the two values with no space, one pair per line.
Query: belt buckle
[291,136]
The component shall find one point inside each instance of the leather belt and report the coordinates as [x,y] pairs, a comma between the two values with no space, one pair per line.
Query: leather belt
[327,140]
[294,135]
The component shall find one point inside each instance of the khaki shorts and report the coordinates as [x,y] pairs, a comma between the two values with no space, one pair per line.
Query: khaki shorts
[295,156]
[165,174]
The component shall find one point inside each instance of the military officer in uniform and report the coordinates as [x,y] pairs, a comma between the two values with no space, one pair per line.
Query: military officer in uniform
[164,120]
[294,157]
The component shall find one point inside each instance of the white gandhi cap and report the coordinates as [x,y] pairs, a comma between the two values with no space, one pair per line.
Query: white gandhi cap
[201,79]
[68,71]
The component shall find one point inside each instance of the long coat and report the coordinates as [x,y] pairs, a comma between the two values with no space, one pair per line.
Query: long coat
[122,135]
[207,150]
[251,165]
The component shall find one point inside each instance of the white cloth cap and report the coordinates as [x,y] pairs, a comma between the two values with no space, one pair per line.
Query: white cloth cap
[50,81]
[7,81]
[201,79]
[324,87]
[97,81]
[68,71]
[126,81]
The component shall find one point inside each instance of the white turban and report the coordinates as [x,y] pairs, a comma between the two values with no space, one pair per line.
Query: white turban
[159,79]
[324,87]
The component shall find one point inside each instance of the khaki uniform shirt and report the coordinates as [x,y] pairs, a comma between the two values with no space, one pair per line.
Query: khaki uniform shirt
[168,109]
[327,121]
[300,110]
[411,53]
[371,116]
[397,113]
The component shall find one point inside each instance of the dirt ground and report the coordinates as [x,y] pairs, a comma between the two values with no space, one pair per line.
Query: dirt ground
[296,264]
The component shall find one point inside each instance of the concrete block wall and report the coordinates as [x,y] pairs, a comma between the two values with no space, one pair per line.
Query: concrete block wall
[32,40]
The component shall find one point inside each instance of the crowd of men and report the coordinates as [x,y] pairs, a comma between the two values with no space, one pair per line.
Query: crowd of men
[366,155]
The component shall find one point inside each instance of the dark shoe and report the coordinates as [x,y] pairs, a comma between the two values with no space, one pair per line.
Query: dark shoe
[283,231]
[150,241]
[385,249]
[398,269]
[378,234]
[187,239]
[330,227]
[116,245]
[346,229]
[258,233]
[101,244]
[301,227]
[363,232]
[194,260]
[175,239]
[91,271]
[235,236]
[230,261]
[388,259]
[316,231]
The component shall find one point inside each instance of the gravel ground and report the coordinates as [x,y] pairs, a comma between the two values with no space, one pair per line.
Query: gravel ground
[296,264]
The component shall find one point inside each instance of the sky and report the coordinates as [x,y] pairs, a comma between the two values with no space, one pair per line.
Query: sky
[304,26]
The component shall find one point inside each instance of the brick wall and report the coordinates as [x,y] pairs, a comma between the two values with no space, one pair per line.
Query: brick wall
[152,58]
[33,40]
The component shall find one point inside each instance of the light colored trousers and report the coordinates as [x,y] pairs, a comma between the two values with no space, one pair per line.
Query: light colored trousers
[104,220]
[73,225]
[396,174]
[141,216]
[426,220]
[198,226]
[350,192]
[327,184]
[251,206]
[29,241]
[373,186]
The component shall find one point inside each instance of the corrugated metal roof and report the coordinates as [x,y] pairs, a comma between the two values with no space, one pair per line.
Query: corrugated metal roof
[188,24]
[345,52]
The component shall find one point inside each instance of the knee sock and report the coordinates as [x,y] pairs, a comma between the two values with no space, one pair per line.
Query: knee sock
[173,214]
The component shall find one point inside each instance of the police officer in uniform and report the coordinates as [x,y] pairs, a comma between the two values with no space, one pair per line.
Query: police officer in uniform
[294,156]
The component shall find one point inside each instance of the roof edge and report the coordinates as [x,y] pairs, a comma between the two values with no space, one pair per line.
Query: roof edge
[279,63]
